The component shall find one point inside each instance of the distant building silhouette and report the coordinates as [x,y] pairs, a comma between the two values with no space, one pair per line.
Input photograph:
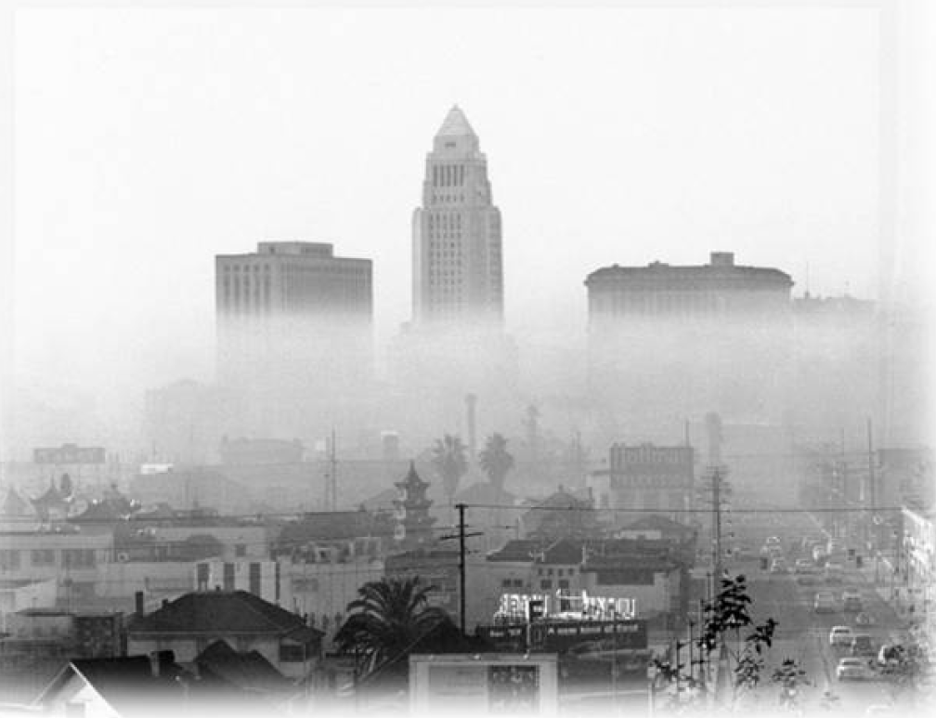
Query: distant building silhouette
[717,289]
[670,342]
[294,322]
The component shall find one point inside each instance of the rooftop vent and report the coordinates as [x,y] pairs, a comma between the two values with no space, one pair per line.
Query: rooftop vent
[721,259]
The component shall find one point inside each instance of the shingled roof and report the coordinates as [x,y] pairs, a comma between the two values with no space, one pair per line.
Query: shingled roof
[224,613]
[248,670]
[127,684]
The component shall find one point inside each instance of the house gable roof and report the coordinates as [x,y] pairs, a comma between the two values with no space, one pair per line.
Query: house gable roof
[126,684]
[219,612]
[248,670]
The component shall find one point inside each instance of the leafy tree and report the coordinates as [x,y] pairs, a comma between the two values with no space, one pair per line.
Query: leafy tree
[790,677]
[386,619]
[725,616]
[906,671]
[450,461]
[496,461]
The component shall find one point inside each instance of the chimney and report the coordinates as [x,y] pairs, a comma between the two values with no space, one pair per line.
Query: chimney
[138,603]
[161,662]
[165,602]
[721,259]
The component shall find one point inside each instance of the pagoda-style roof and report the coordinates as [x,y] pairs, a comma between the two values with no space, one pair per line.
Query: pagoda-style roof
[412,479]
[52,497]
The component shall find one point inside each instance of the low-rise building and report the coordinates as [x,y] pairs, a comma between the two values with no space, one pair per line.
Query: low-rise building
[69,557]
[189,624]
[651,477]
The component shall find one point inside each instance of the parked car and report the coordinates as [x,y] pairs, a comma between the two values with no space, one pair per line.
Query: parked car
[864,619]
[834,572]
[853,669]
[824,602]
[862,645]
[807,579]
[851,600]
[804,565]
[819,554]
[841,636]
[779,565]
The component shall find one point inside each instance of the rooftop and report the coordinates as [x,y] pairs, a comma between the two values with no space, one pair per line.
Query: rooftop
[455,124]
[220,612]
[721,267]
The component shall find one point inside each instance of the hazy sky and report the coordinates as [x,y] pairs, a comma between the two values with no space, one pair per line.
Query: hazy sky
[148,140]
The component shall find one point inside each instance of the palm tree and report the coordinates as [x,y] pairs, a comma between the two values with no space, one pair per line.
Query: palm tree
[495,460]
[387,619]
[449,459]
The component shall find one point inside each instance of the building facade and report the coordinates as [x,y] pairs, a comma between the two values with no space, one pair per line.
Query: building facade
[294,322]
[457,262]
[719,289]
[651,477]
[668,343]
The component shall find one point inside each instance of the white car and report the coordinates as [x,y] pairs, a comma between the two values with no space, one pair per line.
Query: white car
[853,669]
[841,636]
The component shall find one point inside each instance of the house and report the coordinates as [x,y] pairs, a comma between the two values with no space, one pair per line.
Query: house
[123,687]
[247,670]
[562,514]
[191,623]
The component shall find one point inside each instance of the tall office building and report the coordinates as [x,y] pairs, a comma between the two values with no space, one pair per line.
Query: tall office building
[667,343]
[295,338]
[456,344]
[457,264]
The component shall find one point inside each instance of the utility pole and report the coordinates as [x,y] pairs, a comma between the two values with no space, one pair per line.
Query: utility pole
[462,573]
[872,484]
[716,530]
[461,566]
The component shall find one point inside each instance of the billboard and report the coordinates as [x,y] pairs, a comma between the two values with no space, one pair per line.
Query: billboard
[569,605]
[562,636]
[488,684]
[69,454]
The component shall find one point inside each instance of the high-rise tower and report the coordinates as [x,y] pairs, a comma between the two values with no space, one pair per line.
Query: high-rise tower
[457,264]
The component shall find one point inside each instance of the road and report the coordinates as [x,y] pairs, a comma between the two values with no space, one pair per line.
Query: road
[803,634]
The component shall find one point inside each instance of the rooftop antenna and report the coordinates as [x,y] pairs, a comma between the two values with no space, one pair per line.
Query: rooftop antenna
[807,279]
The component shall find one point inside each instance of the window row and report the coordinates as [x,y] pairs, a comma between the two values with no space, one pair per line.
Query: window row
[228,268]
[12,559]
[448,175]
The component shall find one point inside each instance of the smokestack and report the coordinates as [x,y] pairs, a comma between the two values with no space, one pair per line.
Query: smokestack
[138,603]
[471,402]
[713,426]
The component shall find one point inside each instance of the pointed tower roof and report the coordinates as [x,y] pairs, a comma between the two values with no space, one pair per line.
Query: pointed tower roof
[412,478]
[455,124]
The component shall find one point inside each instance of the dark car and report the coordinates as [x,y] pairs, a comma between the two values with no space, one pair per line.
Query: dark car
[863,645]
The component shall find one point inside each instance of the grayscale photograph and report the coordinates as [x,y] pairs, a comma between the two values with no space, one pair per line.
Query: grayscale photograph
[416,360]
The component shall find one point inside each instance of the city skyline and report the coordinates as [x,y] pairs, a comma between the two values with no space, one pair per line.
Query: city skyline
[558,231]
